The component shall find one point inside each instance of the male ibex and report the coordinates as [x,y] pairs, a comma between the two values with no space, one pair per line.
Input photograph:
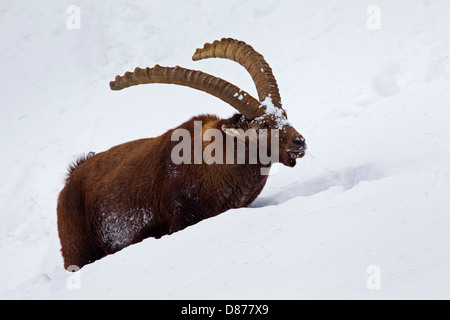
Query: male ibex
[135,190]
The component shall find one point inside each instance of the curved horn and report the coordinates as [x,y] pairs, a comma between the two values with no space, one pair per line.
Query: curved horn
[238,99]
[250,59]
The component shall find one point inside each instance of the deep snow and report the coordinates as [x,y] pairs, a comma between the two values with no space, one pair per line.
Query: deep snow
[373,104]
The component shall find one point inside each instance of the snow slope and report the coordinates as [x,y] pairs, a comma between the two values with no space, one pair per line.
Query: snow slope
[372,193]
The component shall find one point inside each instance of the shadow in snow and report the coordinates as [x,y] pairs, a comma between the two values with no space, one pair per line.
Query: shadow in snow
[347,178]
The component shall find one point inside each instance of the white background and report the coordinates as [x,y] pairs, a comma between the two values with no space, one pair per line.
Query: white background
[373,105]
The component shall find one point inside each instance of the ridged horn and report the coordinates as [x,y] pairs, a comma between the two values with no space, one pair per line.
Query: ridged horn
[250,59]
[238,99]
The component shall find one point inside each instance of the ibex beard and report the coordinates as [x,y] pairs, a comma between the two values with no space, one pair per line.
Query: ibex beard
[205,166]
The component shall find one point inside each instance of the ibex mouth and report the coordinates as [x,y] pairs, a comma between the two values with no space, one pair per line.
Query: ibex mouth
[296,153]
[292,155]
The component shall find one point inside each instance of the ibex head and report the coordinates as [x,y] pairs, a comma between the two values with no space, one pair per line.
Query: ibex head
[271,114]
[261,115]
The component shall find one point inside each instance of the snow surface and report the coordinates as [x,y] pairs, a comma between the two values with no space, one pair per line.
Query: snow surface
[373,193]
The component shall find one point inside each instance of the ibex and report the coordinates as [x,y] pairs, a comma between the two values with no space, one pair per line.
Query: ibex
[135,190]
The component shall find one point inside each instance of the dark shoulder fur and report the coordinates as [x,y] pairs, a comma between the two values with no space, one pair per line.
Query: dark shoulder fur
[78,161]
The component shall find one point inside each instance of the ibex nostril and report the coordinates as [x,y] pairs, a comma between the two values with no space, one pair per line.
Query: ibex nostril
[299,140]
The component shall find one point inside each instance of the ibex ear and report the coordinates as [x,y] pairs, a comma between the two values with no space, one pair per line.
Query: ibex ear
[231,131]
